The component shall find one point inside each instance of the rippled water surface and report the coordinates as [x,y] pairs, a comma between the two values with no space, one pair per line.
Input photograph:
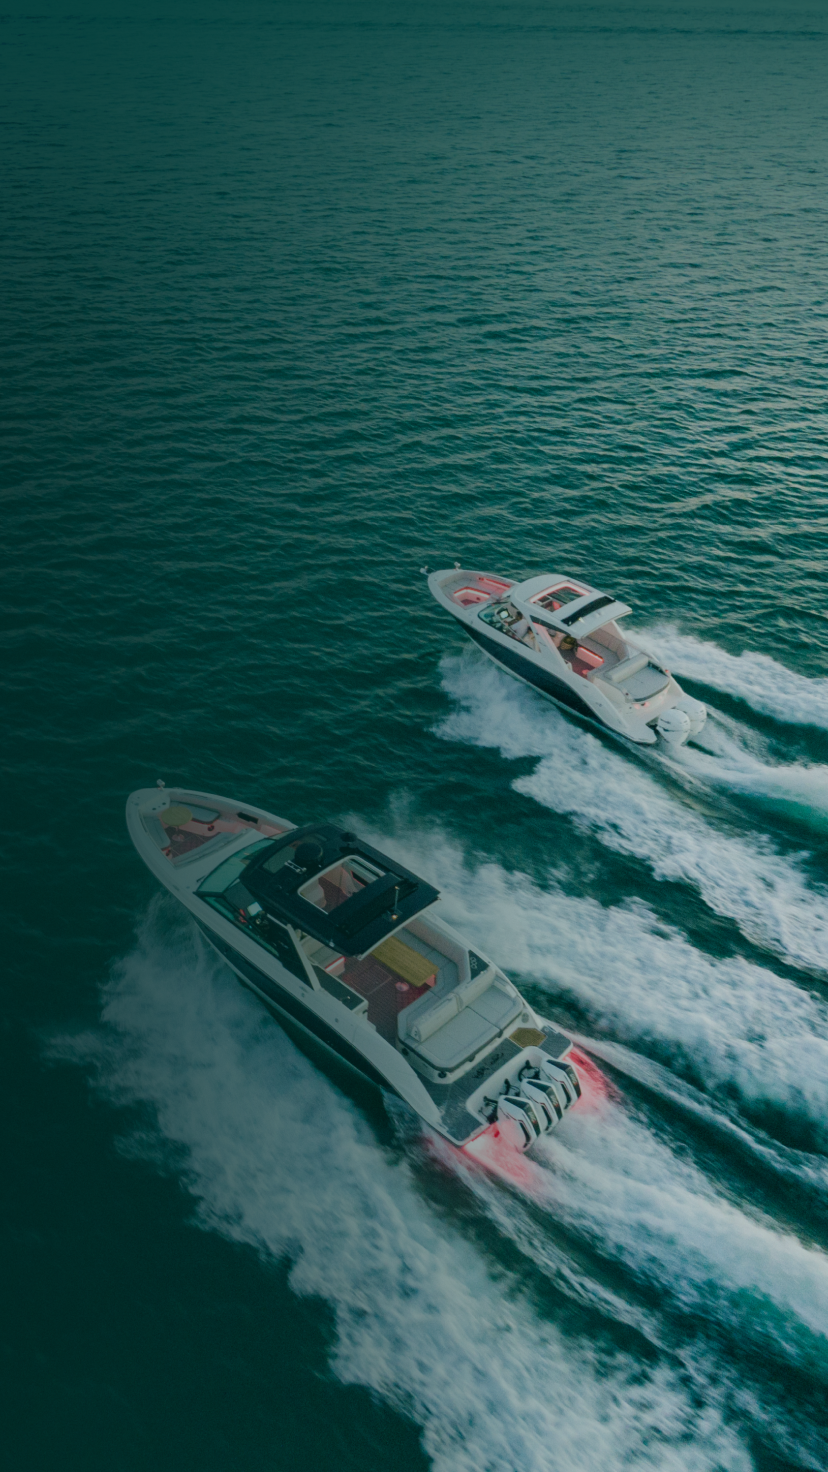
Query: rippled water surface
[299,299]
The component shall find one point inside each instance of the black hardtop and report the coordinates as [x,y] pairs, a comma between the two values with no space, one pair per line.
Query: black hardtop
[358,923]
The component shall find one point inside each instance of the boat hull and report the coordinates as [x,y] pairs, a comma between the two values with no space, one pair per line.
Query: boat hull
[182,852]
[543,680]
[292,1010]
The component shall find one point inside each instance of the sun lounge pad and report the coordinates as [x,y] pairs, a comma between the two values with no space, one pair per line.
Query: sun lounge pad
[646,683]
[497,1005]
[433,1019]
[454,1042]
[628,667]
[445,1033]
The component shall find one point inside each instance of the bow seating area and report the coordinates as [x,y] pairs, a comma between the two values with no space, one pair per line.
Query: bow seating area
[184,827]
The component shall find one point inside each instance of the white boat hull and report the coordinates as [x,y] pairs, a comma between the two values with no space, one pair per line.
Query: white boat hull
[453,1101]
[603,692]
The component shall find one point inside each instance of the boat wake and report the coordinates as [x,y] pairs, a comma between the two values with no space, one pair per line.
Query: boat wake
[763,684]
[276,1157]
[722,757]
[741,876]
[625,1194]
[725,1024]
[612,1216]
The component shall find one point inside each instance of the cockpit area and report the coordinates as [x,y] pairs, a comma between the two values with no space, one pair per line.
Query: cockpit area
[340,882]
[581,624]
[422,989]
[590,653]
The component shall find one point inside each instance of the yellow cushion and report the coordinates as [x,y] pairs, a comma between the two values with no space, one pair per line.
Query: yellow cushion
[176,815]
[407,963]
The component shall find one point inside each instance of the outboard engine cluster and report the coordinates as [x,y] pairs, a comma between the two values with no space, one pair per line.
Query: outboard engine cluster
[534,1105]
[682,720]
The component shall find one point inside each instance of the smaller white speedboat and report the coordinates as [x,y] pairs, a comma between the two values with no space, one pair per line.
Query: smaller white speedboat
[341,941]
[563,637]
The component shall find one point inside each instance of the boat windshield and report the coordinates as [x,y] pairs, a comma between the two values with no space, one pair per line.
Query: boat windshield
[220,879]
[508,620]
[224,890]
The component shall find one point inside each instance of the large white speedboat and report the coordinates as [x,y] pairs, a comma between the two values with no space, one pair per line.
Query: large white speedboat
[341,940]
[562,636]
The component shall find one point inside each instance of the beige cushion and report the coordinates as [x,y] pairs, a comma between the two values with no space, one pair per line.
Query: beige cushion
[435,1018]
[469,991]
[461,1036]
[627,667]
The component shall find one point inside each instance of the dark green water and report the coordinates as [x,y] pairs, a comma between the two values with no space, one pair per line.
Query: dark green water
[296,300]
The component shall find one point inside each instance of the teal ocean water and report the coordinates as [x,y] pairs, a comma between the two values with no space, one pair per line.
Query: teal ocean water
[297,300]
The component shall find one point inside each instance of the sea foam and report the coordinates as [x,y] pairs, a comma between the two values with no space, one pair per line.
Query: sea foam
[633,812]
[732,1026]
[764,684]
[276,1157]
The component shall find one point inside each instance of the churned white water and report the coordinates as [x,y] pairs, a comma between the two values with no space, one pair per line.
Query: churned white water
[631,811]
[727,1022]
[755,677]
[275,1156]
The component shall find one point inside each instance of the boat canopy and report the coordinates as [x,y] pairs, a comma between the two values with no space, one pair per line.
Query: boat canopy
[578,616]
[328,883]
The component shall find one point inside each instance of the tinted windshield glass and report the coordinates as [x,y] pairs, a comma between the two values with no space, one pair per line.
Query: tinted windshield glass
[281,857]
[227,873]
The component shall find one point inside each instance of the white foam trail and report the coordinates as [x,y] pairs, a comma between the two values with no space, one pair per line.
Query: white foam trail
[632,812]
[800,788]
[804,1168]
[277,1158]
[626,1193]
[660,1216]
[757,679]
[726,1023]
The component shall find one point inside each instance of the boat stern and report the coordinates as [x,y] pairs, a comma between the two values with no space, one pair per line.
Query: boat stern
[529,1095]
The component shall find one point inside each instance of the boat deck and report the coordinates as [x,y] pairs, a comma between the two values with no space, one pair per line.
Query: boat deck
[388,992]
[451,1098]
[185,826]
[385,991]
